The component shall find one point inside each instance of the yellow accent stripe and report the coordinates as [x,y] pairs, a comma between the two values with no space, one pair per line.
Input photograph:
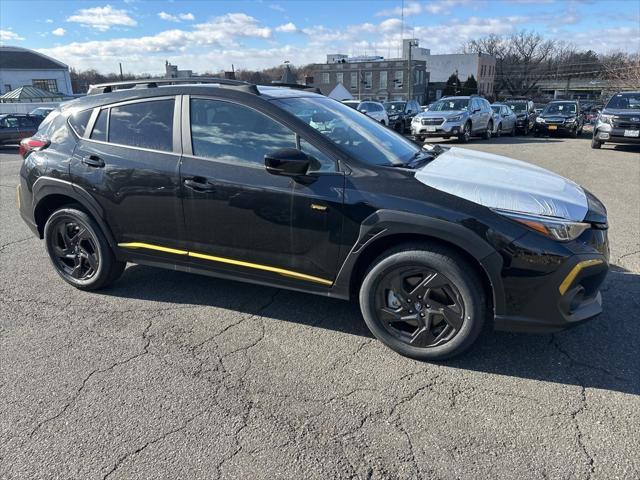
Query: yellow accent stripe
[566,283]
[229,261]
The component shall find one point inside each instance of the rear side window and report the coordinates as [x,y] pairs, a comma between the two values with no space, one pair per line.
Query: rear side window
[79,120]
[99,131]
[144,125]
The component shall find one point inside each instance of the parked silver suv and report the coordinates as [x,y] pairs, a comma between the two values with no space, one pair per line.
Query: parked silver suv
[459,117]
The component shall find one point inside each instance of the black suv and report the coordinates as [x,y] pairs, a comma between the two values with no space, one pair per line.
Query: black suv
[285,187]
[525,111]
[401,114]
[619,121]
[560,116]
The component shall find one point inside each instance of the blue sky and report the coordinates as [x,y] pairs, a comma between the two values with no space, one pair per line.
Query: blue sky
[211,35]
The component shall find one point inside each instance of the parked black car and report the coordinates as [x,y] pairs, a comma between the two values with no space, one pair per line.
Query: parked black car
[525,111]
[16,126]
[401,114]
[288,188]
[619,121]
[560,117]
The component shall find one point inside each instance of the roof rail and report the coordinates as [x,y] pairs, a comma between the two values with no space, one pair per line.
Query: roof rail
[295,86]
[155,82]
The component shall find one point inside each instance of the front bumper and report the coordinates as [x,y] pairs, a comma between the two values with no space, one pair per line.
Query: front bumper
[564,128]
[446,129]
[606,133]
[555,291]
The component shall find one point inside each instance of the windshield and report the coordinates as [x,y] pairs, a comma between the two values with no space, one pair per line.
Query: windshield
[395,106]
[518,107]
[625,101]
[453,104]
[358,135]
[562,108]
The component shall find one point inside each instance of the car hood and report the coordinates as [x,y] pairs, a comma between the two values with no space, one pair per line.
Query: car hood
[622,111]
[441,114]
[504,183]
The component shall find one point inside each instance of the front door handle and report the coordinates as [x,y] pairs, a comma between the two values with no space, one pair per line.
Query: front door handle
[93,161]
[198,184]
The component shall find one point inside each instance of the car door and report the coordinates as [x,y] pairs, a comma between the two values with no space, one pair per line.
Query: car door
[9,129]
[243,219]
[128,160]
[508,119]
[477,120]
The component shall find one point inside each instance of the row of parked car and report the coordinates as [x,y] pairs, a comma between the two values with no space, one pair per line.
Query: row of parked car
[462,117]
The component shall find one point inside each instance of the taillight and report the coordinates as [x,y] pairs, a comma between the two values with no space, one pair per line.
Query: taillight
[28,145]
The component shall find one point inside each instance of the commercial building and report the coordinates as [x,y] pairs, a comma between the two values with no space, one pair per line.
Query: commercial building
[441,67]
[21,67]
[373,78]
[171,71]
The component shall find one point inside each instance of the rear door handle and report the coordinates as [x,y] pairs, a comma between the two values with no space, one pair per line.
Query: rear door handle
[93,161]
[199,184]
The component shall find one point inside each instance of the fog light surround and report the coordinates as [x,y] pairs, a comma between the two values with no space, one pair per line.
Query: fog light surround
[603,136]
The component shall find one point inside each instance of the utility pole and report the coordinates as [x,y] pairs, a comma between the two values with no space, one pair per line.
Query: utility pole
[121,76]
[410,79]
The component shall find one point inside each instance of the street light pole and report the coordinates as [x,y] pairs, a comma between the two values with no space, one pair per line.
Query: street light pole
[410,79]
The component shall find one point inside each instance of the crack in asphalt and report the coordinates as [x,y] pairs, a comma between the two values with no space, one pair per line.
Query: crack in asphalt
[79,390]
[627,255]
[153,441]
[14,242]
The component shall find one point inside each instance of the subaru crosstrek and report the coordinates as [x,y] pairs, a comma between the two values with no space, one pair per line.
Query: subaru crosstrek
[459,117]
[284,187]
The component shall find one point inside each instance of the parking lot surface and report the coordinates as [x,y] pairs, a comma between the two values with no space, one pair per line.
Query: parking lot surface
[171,375]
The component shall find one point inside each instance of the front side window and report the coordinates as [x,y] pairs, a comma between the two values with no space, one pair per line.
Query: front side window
[143,125]
[79,121]
[234,133]
[357,135]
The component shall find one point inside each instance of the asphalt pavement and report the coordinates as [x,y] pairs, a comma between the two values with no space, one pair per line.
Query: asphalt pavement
[172,375]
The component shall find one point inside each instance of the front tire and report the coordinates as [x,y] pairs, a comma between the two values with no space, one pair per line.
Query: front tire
[596,143]
[423,301]
[464,136]
[79,251]
[487,133]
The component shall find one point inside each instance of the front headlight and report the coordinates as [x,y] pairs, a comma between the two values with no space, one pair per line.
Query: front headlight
[539,120]
[554,228]
[604,118]
[416,120]
[455,118]
[570,120]
[394,116]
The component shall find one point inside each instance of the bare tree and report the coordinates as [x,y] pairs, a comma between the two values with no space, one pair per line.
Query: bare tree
[621,71]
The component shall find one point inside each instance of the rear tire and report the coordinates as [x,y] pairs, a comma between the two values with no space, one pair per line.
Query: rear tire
[423,301]
[499,130]
[79,250]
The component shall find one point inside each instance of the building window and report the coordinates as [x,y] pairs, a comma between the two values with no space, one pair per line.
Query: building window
[325,77]
[399,79]
[340,77]
[383,80]
[354,79]
[46,85]
[368,80]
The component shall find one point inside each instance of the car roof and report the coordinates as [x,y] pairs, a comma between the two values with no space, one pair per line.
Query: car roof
[263,91]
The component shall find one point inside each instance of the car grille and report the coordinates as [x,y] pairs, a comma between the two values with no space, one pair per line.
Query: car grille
[627,122]
[432,121]
[555,122]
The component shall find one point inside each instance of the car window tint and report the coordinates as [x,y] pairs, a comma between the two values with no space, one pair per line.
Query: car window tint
[99,131]
[144,125]
[25,122]
[323,162]
[235,133]
[10,122]
[79,121]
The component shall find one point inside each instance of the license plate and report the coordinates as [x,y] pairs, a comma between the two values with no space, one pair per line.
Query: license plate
[433,129]
[632,133]
[553,127]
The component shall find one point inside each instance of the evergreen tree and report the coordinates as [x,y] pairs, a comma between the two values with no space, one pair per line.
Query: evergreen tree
[453,85]
[470,86]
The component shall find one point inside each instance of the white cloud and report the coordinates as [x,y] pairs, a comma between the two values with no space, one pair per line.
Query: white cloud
[102,18]
[277,7]
[287,28]
[176,18]
[59,32]
[436,7]
[8,35]
[48,20]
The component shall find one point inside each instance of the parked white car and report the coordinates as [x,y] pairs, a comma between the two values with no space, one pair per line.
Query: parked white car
[370,108]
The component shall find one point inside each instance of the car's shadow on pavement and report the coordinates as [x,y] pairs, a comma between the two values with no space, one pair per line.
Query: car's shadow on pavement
[600,354]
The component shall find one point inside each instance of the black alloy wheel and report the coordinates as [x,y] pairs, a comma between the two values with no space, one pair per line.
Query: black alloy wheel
[424,301]
[419,306]
[75,251]
[499,131]
[79,249]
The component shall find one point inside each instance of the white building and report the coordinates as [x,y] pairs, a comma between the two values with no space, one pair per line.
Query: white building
[20,67]
[441,67]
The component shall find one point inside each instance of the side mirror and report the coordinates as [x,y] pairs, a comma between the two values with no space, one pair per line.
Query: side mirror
[475,110]
[288,162]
